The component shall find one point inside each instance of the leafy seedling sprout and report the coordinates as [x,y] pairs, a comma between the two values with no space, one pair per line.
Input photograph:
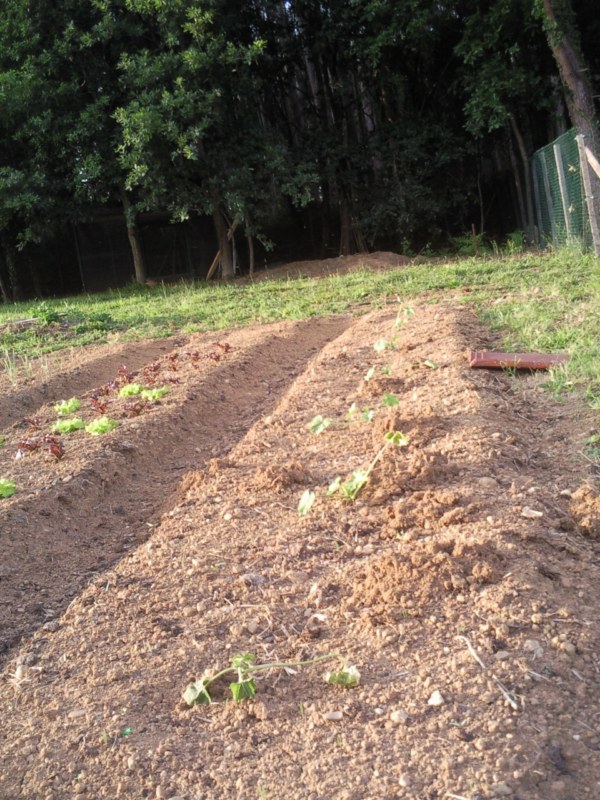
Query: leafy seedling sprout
[68,425]
[67,407]
[243,666]
[306,502]
[351,488]
[348,677]
[153,395]
[131,389]
[7,488]
[319,424]
[101,425]
[389,399]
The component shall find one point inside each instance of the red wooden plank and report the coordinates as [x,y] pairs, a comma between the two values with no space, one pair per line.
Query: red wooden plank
[495,360]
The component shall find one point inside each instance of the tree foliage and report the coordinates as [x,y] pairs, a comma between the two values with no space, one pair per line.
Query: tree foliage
[367,123]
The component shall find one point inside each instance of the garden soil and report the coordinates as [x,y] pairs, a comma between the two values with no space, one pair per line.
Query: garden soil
[462,581]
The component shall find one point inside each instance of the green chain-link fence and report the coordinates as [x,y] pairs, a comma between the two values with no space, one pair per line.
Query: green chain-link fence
[561,211]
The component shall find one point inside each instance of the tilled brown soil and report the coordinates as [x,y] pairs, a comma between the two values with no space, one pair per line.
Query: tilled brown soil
[462,582]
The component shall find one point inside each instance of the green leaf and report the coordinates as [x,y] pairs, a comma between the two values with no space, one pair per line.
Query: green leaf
[319,424]
[2,441]
[131,389]
[67,407]
[368,414]
[152,395]
[243,661]
[244,690]
[348,677]
[386,370]
[351,488]
[431,364]
[381,345]
[390,399]
[68,425]
[126,731]
[306,502]
[352,411]
[397,437]
[101,425]
[7,487]
[197,694]
[334,486]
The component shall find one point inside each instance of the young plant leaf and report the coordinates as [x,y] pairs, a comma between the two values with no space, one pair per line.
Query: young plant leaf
[152,395]
[243,690]
[7,488]
[390,399]
[2,441]
[306,502]
[67,407]
[431,364]
[397,437]
[352,411]
[319,424]
[131,389]
[349,677]
[101,425]
[334,486]
[197,694]
[368,414]
[381,345]
[351,488]
[386,370]
[68,425]
[369,374]
[243,661]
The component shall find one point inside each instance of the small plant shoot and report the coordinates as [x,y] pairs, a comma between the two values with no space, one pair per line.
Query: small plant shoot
[431,364]
[381,345]
[67,407]
[369,374]
[319,424]
[390,400]
[243,666]
[68,425]
[100,426]
[306,502]
[348,677]
[7,488]
[351,488]
[154,395]
[131,389]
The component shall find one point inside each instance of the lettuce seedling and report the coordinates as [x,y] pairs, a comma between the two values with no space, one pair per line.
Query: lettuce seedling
[7,488]
[152,395]
[68,425]
[131,389]
[389,399]
[67,407]
[102,425]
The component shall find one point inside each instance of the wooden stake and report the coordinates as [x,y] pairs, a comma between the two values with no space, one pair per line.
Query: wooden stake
[217,258]
[587,159]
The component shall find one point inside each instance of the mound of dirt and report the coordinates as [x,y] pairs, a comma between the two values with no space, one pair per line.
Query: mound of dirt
[461,580]
[340,265]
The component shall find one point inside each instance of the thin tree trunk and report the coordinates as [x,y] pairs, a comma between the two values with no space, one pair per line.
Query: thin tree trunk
[225,250]
[139,265]
[529,225]
[14,292]
[250,242]
[522,214]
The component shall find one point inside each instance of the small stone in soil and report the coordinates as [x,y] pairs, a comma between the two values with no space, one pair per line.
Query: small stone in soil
[436,699]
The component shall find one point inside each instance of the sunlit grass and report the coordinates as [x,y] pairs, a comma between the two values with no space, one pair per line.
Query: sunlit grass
[546,302]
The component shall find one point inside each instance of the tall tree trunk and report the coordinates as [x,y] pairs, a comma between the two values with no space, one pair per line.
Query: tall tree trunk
[529,223]
[250,242]
[225,250]
[576,84]
[139,265]
[14,283]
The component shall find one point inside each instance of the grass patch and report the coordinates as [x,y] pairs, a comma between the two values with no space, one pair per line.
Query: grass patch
[547,302]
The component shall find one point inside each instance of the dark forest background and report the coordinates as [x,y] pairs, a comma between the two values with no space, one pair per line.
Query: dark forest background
[134,133]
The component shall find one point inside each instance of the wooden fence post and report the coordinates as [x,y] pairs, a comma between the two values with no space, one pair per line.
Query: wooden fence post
[587,158]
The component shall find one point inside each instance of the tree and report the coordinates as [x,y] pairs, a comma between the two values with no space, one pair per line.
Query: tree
[560,27]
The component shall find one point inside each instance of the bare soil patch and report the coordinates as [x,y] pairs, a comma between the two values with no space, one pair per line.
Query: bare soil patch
[462,581]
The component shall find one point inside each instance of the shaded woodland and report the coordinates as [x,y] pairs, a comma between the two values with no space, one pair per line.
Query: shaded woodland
[315,128]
